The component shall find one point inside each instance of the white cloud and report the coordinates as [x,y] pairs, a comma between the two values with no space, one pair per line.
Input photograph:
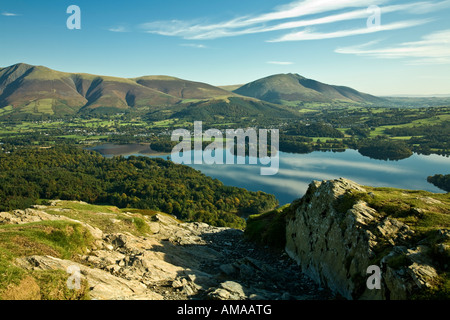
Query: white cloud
[10,14]
[118,29]
[329,11]
[310,35]
[315,164]
[431,49]
[193,45]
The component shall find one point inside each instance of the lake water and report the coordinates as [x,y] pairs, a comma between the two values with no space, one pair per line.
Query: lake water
[296,171]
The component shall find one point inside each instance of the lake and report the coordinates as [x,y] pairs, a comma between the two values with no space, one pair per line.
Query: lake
[298,170]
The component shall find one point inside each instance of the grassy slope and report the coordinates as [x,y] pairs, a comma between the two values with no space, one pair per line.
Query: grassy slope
[183,89]
[60,239]
[290,89]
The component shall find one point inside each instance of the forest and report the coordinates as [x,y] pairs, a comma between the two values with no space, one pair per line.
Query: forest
[32,174]
[441,181]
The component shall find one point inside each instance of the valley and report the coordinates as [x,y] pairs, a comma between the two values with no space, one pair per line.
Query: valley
[79,146]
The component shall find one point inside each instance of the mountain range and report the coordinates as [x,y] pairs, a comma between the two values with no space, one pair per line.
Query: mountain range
[38,90]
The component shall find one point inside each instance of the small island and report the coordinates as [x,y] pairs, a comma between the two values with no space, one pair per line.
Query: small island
[441,181]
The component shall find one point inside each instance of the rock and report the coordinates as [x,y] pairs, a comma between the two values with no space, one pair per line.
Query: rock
[393,229]
[229,290]
[335,245]
[104,286]
[228,269]
[32,215]
[173,260]
[423,275]
[219,294]
[286,296]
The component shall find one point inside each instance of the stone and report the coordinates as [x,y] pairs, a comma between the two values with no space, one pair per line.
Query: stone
[228,269]
[174,260]
[336,248]
[104,286]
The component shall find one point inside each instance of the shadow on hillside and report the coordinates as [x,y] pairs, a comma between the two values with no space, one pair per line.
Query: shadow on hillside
[225,264]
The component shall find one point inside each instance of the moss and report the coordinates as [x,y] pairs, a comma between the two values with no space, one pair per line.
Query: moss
[56,238]
[268,228]
[346,201]
[53,286]
[440,291]
[398,261]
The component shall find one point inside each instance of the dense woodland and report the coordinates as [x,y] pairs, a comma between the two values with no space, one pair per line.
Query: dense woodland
[68,173]
[441,181]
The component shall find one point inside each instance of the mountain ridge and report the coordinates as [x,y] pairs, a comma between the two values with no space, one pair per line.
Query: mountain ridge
[39,90]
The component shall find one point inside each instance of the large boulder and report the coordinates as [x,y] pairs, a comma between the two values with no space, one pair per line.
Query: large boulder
[335,240]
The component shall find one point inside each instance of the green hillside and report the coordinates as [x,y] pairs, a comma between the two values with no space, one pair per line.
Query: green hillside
[183,89]
[293,88]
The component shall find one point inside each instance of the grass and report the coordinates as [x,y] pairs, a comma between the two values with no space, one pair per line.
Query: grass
[56,238]
[268,228]
[39,106]
[60,239]
[105,217]
[6,110]
[404,205]
[421,122]
[426,214]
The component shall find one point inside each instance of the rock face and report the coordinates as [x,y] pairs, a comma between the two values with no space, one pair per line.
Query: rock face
[335,242]
[171,261]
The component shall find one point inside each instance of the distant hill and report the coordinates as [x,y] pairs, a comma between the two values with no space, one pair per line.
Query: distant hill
[40,90]
[37,90]
[293,88]
[183,89]
[231,87]
[231,109]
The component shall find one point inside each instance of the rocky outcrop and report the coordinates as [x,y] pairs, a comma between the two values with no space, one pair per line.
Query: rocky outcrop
[335,238]
[171,260]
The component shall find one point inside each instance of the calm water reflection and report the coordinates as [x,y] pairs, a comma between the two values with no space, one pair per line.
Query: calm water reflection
[298,170]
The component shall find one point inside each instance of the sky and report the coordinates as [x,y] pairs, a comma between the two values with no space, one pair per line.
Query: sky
[381,47]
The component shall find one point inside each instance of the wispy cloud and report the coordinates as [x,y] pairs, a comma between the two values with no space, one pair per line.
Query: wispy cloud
[248,24]
[433,48]
[310,35]
[118,29]
[194,45]
[297,14]
[281,63]
[10,14]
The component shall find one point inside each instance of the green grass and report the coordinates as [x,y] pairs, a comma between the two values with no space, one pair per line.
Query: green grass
[421,122]
[105,216]
[268,228]
[56,238]
[39,106]
[60,239]
[6,110]
[402,138]
[425,213]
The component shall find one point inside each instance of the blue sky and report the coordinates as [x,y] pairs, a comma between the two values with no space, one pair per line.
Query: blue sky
[234,42]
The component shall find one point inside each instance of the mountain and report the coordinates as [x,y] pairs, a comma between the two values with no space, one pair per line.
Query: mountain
[37,90]
[292,89]
[40,90]
[183,89]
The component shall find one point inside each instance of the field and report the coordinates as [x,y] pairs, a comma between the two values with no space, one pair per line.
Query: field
[352,127]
